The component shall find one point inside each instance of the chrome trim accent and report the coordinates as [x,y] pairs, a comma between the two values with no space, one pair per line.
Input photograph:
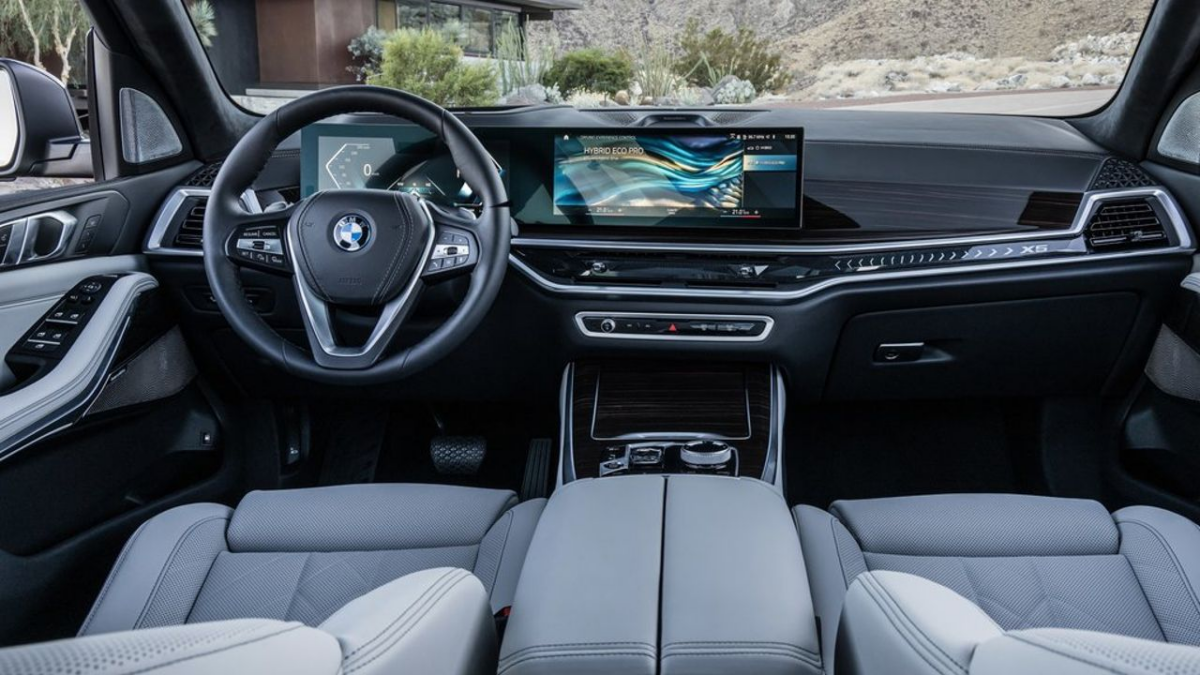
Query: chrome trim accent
[1090,203]
[566,447]
[67,223]
[773,471]
[770,324]
[168,210]
[319,326]
[16,242]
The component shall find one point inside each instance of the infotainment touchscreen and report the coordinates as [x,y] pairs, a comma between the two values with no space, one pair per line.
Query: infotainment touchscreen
[678,177]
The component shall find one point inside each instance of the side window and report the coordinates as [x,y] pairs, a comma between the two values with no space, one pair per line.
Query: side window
[43,39]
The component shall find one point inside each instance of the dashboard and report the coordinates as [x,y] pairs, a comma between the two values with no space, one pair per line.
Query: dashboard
[867,254]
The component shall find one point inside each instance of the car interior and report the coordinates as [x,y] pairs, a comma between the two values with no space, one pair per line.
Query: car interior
[366,384]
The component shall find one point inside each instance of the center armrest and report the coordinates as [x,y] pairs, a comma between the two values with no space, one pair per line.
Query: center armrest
[663,574]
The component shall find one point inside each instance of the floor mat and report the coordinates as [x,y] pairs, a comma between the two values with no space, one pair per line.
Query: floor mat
[887,449]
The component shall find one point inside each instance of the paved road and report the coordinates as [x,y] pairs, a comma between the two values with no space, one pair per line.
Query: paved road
[1052,102]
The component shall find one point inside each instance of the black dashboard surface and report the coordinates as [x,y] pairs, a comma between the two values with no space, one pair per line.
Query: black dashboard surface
[867,176]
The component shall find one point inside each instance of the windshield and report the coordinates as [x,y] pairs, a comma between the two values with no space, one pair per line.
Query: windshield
[1032,57]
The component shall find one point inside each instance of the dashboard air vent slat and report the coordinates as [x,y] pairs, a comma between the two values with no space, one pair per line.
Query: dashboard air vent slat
[191,228]
[205,177]
[1125,223]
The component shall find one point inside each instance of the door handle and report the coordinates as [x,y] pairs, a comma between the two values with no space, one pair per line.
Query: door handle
[44,236]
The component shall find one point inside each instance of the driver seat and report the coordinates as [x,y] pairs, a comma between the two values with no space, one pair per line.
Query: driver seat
[301,555]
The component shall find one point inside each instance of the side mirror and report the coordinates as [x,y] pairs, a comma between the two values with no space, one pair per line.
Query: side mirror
[39,132]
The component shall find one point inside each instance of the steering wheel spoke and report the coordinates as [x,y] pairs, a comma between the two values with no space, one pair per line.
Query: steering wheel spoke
[258,241]
[328,351]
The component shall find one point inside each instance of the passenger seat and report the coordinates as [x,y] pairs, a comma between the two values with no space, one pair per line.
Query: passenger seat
[1026,562]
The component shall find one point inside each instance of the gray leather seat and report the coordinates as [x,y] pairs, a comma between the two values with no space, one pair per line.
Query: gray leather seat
[1026,562]
[300,555]
[433,621]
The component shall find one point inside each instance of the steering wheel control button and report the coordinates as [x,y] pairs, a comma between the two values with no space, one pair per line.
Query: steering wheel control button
[454,251]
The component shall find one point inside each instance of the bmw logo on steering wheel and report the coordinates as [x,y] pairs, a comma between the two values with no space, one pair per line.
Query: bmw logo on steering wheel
[351,233]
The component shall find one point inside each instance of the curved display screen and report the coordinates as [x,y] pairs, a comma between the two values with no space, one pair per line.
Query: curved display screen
[683,178]
[752,177]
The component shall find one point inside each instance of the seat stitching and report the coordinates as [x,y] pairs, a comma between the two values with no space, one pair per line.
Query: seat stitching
[743,653]
[589,655]
[162,573]
[416,619]
[229,584]
[296,589]
[1174,560]
[556,645]
[912,625]
[404,614]
[869,587]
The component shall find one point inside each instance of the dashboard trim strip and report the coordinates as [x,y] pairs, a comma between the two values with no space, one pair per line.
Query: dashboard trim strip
[1087,207]
[1092,200]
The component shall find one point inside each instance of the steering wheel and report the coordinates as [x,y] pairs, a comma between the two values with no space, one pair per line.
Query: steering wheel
[362,251]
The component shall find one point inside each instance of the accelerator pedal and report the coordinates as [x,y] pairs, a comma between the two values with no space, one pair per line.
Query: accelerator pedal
[458,455]
[537,469]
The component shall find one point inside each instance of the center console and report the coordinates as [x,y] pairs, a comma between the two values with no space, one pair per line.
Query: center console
[626,417]
[663,575]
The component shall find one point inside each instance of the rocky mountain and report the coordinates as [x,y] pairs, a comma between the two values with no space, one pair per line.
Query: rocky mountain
[815,33]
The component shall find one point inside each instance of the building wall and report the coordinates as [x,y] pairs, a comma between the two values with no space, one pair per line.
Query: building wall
[303,42]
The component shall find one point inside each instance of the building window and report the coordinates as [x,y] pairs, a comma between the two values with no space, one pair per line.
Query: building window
[479,30]
[474,28]
[411,13]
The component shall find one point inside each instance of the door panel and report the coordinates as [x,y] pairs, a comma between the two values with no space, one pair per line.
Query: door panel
[111,425]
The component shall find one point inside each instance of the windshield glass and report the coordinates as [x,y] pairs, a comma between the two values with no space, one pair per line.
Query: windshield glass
[1032,57]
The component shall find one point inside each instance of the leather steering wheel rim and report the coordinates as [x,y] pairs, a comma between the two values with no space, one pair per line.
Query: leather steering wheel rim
[224,214]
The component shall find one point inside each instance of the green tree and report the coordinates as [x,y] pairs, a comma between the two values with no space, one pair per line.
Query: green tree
[40,26]
[428,64]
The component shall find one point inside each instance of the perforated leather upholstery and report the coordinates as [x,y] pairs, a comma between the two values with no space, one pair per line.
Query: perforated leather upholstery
[1027,562]
[300,555]
[433,621]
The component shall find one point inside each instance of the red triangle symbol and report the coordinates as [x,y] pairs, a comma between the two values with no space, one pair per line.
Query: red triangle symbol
[672,329]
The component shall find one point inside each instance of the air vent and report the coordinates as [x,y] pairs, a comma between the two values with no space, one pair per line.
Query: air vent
[205,177]
[191,229]
[1116,174]
[1125,224]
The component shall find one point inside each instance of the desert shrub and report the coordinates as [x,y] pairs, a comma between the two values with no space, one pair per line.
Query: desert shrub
[367,52]
[656,73]
[707,57]
[591,69]
[520,63]
[428,64]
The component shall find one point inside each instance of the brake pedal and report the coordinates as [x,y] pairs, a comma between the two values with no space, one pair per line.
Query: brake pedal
[537,469]
[458,455]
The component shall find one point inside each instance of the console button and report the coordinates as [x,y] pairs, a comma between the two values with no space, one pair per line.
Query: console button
[91,287]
